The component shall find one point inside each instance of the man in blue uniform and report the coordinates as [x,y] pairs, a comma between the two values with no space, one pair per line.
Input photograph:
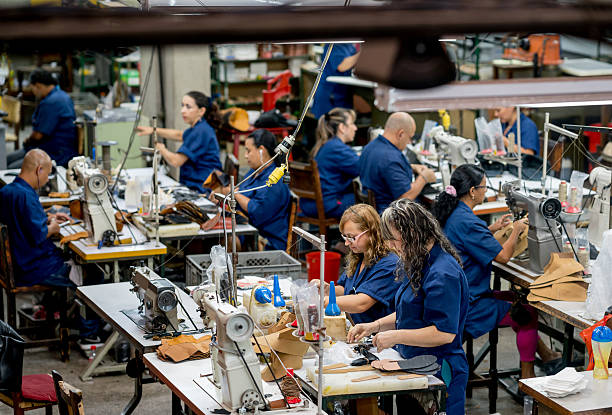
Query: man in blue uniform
[330,95]
[384,169]
[36,259]
[530,139]
[52,123]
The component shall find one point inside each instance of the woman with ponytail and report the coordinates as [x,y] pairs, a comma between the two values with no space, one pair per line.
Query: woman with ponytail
[337,162]
[198,155]
[475,243]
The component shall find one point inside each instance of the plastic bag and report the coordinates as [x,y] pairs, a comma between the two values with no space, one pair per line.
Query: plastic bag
[296,293]
[574,195]
[309,308]
[599,293]
[485,143]
[217,272]
[497,136]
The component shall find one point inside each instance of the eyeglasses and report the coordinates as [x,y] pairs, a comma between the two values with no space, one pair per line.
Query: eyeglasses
[352,239]
[480,186]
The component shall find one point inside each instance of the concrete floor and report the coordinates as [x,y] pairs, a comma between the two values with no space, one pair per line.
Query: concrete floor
[109,394]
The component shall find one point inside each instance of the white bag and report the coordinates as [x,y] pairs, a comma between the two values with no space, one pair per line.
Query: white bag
[599,294]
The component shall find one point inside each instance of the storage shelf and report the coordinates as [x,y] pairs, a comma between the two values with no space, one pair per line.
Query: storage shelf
[246,82]
[282,58]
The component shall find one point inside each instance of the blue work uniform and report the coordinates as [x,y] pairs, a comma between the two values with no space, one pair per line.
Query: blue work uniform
[442,301]
[35,258]
[477,247]
[384,170]
[54,118]
[330,94]
[378,282]
[268,209]
[529,134]
[338,166]
[202,150]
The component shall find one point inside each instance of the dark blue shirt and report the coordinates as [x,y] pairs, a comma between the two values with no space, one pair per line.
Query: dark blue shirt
[441,301]
[529,134]
[384,169]
[330,94]
[378,282]
[34,255]
[268,208]
[54,118]
[202,150]
[478,248]
[338,166]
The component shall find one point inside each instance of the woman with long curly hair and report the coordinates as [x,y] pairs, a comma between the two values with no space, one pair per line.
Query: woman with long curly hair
[366,290]
[432,302]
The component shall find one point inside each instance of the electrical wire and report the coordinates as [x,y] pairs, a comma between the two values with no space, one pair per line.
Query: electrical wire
[272,372]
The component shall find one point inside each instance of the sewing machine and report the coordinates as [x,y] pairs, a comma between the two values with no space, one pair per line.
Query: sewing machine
[600,219]
[543,236]
[458,149]
[158,299]
[98,214]
[236,372]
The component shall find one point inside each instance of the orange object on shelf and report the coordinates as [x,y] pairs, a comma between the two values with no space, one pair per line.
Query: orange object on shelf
[547,47]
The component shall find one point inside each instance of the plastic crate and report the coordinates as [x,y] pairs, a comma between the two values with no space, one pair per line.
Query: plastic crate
[260,264]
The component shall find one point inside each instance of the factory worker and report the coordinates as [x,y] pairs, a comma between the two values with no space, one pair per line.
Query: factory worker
[198,155]
[477,247]
[337,162]
[330,94]
[366,290]
[432,301]
[530,139]
[266,208]
[53,129]
[384,169]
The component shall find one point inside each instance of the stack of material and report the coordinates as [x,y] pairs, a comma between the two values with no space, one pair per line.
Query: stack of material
[184,347]
[289,349]
[564,383]
[561,281]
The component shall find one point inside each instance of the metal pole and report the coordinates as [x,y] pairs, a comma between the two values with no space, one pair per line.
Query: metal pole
[518,135]
[545,156]
[321,323]
[234,253]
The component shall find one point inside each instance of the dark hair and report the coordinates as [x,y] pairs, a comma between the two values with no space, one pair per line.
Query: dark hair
[265,138]
[463,179]
[417,228]
[212,109]
[327,126]
[40,76]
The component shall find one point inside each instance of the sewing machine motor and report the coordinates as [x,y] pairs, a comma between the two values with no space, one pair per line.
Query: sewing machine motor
[543,236]
[158,298]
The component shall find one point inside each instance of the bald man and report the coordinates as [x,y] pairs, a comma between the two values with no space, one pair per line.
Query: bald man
[36,259]
[384,169]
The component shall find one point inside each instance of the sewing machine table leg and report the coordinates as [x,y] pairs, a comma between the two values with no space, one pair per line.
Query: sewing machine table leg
[93,368]
[133,403]
[177,407]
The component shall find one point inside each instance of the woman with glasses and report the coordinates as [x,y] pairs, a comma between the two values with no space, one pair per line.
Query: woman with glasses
[474,242]
[366,290]
[432,302]
[338,163]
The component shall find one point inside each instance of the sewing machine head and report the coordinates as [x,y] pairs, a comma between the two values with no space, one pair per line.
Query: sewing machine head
[158,298]
[600,219]
[458,149]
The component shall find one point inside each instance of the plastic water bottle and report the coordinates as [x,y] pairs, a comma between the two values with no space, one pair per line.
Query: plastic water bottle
[527,405]
[601,342]
[92,352]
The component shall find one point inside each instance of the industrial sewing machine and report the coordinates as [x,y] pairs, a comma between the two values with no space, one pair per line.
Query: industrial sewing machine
[600,219]
[458,149]
[236,372]
[159,300]
[543,236]
[98,214]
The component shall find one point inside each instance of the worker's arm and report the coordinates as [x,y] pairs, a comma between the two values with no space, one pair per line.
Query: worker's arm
[505,254]
[426,337]
[33,138]
[52,228]
[355,303]
[348,63]
[415,189]
[173,159]
[170,134]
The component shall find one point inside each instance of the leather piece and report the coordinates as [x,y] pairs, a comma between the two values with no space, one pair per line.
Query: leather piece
[503,234]
[74,237]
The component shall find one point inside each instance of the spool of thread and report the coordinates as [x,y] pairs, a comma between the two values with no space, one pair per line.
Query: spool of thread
[562,191]
[572,203]
[567,247]
[583,256]
[145,198]
[106,155]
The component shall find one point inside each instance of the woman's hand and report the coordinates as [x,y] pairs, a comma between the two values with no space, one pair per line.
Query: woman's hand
[317,283]
[360,331]
[520,225]
[384,340]
[160,146]
[144,130]
[501,223]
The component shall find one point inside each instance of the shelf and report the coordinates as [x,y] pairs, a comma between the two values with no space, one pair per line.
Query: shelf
[246,82]
[282,58]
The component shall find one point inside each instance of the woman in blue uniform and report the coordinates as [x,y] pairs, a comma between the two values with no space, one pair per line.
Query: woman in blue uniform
[337,162]
[432,302]
[266,208]
[366,290]
[330,95]
[198,155]
[477,247]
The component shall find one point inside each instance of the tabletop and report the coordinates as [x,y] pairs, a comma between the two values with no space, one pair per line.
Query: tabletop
[595,399]
[108,301]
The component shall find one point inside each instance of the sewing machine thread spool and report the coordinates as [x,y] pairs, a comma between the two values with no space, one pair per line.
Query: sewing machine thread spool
[106,156]
[567,247]
[583,256]
[573,198]
[563,192]
[145,198]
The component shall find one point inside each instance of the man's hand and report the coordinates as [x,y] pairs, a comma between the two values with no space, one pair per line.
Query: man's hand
[428,174]
[60,217]
[52,228]
[144,130]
